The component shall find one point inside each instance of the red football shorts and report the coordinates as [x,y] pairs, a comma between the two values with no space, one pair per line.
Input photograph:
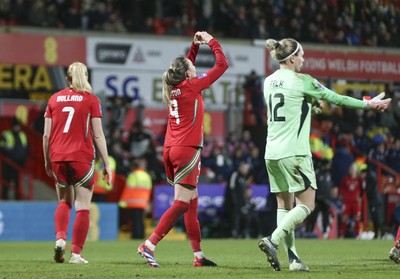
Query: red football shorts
[182,164]
[78,174]
[352,209]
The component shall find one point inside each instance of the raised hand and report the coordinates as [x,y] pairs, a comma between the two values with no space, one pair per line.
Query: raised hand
[198,39]
[201,38]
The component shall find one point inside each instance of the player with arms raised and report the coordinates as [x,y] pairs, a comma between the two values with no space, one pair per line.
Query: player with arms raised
[183,143]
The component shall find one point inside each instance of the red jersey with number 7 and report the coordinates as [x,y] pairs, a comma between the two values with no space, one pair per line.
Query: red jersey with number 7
[186,107]
[71,131]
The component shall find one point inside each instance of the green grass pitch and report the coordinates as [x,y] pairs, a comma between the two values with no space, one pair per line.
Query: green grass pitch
[235,258]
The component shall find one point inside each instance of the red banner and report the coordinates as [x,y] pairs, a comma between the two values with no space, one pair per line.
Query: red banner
[33,49]
[347,65]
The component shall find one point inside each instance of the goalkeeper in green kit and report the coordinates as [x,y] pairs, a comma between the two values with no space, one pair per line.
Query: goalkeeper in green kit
[291,97]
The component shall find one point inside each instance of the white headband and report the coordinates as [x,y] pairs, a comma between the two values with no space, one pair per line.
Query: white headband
[296,50]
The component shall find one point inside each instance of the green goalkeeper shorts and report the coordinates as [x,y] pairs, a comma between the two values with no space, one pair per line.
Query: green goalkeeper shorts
[291,174]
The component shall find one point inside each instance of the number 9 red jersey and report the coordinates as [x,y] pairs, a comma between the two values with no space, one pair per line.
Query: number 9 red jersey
[186,106]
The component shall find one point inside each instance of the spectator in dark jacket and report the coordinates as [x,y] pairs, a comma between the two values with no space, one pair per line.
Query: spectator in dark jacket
[235,200]
[323,195]
[341,162]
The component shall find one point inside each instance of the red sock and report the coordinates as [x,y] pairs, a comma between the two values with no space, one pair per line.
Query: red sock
[80,231]
[397,238]
[192,226]
[168,220]
[61,219]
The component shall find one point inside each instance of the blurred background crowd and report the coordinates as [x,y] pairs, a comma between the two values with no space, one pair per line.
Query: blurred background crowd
[355,22]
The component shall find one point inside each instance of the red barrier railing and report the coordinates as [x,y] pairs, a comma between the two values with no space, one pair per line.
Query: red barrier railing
[21,173]
[388,179]
[388,182]
[35,162]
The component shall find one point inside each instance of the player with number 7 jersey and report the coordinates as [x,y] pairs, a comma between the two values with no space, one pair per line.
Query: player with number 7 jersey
[72,128]
[71,113]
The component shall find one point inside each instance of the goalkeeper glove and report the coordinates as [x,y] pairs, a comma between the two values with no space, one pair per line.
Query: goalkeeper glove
[377,103]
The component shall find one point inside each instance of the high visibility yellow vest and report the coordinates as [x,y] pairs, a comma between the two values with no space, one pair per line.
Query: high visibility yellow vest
[9,142]
[319,148]
[100,185]
[137,190]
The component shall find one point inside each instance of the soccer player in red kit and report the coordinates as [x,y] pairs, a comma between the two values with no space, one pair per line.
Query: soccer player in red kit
[72,123]
[183,144]
[350,193]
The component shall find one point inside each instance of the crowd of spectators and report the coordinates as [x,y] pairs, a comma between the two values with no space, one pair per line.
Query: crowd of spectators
[345,22]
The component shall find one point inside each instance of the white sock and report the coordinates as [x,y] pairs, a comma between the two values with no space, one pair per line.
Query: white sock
[199,255]
[150,245]
[61,243]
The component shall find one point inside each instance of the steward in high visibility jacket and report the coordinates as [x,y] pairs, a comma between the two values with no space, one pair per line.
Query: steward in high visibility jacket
[135,198]
[9,139]
[100,186]
[319,149]
[137,191]
[14,146]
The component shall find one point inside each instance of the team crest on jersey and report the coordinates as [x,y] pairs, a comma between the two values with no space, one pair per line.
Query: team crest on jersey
[318,85]
[202,75]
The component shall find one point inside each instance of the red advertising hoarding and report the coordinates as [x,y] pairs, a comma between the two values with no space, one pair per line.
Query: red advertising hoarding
[32,66]
[36,49]
[347,65]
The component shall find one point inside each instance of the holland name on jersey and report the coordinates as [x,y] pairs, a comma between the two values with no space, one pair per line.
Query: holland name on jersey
[69,98]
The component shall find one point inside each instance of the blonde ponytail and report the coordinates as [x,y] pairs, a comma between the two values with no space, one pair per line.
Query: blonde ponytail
[282,50]
[77,76]
[166,90]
